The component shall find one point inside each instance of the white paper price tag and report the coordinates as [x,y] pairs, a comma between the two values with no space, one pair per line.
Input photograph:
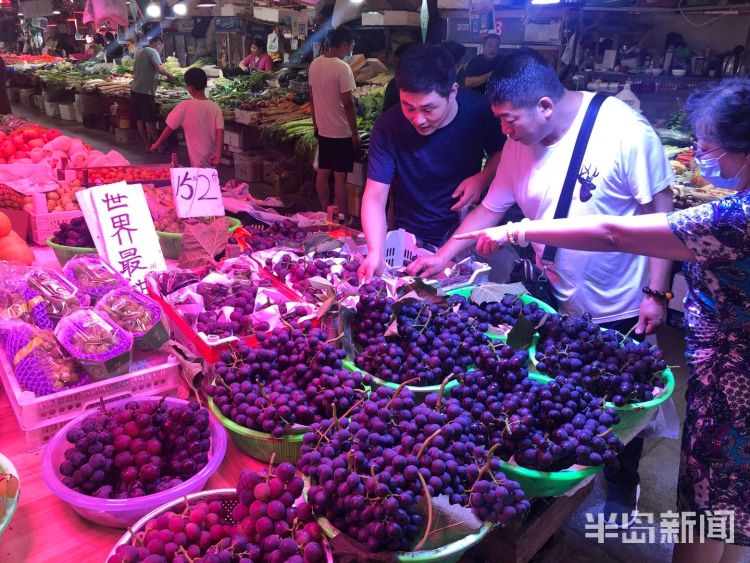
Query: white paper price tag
[196,192]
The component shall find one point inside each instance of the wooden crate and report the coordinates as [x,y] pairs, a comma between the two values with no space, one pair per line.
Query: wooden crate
[521,540]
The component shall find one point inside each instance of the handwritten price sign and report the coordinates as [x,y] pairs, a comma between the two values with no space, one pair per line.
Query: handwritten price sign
[196,192]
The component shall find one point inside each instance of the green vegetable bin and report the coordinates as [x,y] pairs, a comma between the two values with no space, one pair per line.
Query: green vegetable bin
[171,243]
[259,445]
[537,483]
[65,253]
[420,393]
[450,553]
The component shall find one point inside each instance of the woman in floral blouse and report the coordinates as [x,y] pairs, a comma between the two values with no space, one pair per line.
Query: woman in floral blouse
[714,242]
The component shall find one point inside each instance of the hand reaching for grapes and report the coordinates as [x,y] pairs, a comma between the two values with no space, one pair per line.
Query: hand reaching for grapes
[372,266]
[489,241]
[468,192]
[651,315]
[427,266]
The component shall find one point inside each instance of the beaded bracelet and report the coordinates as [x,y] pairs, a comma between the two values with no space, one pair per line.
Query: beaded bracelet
[665,295]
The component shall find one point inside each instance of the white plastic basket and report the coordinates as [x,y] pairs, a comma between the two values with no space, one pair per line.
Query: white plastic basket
[67,112]
[401,246]
[40,417]
[52,109]
[44,225]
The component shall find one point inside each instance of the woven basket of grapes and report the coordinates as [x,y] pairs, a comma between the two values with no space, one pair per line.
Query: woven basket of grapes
[231,524]
[651,386]
[450,553]
[419,392]
[9,492]
[171,243]
[260,445]
[65,253]
[117,463]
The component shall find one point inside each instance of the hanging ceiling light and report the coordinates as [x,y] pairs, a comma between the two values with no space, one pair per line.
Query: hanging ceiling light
[356,1]
[153,10]
[180,9]
[206,5]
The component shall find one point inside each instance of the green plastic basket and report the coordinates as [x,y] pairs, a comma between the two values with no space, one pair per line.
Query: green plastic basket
[547,483]
[634,414]
[419,392]
[525,297]
[10,508]
[171,243]
[450,553]
[65,253]
[259,445]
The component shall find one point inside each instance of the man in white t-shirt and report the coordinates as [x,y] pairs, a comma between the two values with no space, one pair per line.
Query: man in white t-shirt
[624,172]
[334,118]
[202,121]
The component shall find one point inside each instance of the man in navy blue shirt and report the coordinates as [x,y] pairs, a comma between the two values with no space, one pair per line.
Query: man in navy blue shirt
[432,146]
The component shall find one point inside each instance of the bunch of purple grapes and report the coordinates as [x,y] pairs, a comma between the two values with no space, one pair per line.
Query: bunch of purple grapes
[297,272]
[270,522]
[137,449]
[433,341]
[240,297]
[503,312]
[74,233]
[289,379]
[547,426]
[602,361]
[373,315]
[370,470]
[285,233]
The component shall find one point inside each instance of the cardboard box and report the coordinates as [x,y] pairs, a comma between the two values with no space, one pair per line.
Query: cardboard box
[391,17]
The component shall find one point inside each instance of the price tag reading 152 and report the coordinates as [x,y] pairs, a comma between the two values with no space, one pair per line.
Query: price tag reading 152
[196,192]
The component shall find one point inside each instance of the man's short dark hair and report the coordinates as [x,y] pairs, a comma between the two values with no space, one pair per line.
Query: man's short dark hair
[339,36]
[456,49]
[109,37]
[156,39]
[426,68]
[489,36]
[522,78]
[196,77]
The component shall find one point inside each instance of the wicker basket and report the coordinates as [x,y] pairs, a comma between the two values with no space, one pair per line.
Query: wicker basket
[450,553]
[259,445]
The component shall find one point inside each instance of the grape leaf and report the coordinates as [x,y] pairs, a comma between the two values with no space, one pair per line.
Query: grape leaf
[494,292]
[450,522]
[522,333]
[203,242]
[190,364]
[321,242]
[392,329]
[424,291]
[325,307]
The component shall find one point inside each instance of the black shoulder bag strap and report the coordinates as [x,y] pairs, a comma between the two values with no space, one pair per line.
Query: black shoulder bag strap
[579,150]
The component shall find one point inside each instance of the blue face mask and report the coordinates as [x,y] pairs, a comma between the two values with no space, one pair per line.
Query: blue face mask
[711,171]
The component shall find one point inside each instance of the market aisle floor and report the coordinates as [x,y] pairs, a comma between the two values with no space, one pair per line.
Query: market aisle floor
[660,460]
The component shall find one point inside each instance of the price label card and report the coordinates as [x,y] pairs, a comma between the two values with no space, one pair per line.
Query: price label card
[120,223]
[196,192]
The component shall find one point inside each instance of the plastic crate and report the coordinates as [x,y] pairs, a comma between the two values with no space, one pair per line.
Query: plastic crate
[67,112]
[87,176]
[248,168]
[44,225]
[40,417]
